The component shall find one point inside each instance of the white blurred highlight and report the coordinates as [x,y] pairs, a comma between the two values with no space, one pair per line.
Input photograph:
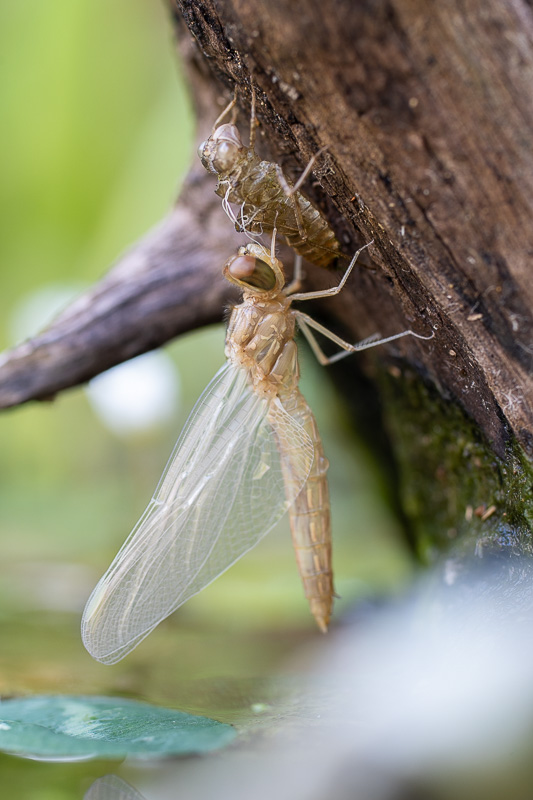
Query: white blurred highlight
[137,396]
[434,694]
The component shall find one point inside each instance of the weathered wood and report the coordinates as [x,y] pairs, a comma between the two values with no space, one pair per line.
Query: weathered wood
[425,110]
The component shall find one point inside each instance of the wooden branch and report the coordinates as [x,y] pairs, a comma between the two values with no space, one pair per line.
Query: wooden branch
[169,283]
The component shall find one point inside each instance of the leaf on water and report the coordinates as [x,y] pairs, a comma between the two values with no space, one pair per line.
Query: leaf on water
[69,728]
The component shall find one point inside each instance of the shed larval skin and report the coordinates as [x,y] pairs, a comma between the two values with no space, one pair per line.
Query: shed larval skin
[266,200]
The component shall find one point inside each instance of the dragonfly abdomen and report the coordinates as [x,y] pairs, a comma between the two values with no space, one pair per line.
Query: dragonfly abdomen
[254,185]
[320,246]
[260,341]
[310,521]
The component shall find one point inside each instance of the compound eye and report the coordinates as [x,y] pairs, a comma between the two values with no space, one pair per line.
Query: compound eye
[225,156]
[205,152]
[253,272]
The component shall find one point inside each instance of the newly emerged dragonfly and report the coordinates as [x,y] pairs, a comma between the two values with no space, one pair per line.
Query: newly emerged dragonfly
[249,452]
[266,199]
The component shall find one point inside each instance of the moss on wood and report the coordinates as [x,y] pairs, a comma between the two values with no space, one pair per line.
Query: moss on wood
[455,491]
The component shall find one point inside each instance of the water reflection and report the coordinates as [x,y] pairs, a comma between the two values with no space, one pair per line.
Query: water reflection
[433,692]
[432,697]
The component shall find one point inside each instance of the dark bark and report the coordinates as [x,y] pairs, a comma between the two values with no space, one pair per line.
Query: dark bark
[425,109]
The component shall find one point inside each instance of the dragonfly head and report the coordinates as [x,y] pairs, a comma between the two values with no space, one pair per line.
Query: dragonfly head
[222,150]
[254,269]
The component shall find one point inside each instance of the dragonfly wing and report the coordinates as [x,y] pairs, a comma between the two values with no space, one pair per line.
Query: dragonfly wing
[222,490]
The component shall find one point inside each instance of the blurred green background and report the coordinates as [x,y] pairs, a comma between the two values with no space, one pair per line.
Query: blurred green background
[97,133]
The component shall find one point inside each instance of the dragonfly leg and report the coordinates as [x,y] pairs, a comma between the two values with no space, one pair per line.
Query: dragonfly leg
[226,111]
[253,118]
[284,183]
[297,275]
[308,169]
[290,191]
[306,323]
[334,289]
[290,194]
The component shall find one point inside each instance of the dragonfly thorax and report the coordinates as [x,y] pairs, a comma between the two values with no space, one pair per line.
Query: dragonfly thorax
[260,339]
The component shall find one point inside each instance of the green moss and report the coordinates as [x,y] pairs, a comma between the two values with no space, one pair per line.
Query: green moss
[454,490]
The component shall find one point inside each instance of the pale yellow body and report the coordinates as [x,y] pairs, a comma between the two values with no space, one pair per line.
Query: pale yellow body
[260,339]
[249,452]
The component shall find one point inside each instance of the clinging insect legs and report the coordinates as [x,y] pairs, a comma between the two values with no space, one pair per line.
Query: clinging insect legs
[306,323]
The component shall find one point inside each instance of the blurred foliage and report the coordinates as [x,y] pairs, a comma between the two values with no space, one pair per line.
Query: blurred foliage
[96,133]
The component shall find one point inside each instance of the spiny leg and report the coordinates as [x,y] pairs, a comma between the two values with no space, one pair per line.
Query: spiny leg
[334,289]
[307,170]
[297,275]
[290,191]
[284,183]
[306,323]
[253,118]
[287,189]
[226,111]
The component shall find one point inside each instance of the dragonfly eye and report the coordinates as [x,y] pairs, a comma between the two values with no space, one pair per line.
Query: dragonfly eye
[205,153]
[225,156]
[253,272]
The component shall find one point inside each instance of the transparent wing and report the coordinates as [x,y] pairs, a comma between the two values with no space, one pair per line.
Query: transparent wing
[111,787]
[222,490]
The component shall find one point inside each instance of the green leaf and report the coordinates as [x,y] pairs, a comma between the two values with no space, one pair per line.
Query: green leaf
[68,728]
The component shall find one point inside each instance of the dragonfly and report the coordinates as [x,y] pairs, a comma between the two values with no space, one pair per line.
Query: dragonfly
[249,452]
[265,197]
